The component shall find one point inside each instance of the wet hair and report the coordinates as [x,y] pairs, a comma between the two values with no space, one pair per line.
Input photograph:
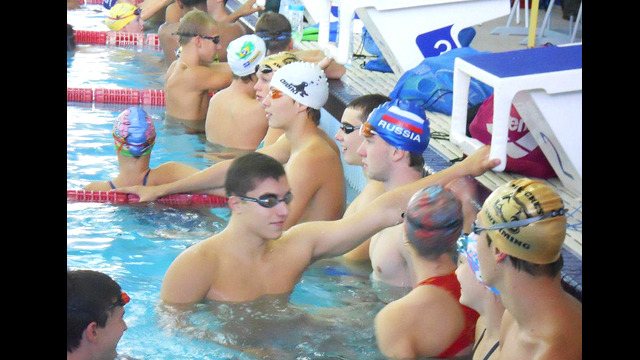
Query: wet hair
[245,79]
[248,171]
[194,22]
[314,115]
[274,24]
[89,295]
[416,161]
[366,104]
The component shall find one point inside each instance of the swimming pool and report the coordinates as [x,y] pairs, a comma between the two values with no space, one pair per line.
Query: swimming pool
[329,314]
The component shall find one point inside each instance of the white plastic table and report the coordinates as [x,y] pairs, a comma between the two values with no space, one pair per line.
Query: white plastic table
[553,69]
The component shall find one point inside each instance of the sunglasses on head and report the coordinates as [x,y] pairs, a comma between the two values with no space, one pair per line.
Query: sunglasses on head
[215,39]
[269,200]
[348,128]
[518,223]
[122,301]
[367,130]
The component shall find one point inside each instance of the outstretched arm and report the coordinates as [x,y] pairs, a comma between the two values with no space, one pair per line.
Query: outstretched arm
[246,9]
[334,238]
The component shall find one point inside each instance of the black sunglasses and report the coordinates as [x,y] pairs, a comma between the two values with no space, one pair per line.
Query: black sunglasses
[348,128]
[269,200]
[215,39]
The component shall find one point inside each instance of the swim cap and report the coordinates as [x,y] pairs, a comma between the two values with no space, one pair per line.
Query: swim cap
[120,15]
[539,242]
[433,221]
[274,62]
[304,82]
[134,132]
[402,124]
[245,53]
[470,251]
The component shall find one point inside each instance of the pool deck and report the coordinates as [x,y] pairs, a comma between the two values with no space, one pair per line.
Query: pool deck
[358,81]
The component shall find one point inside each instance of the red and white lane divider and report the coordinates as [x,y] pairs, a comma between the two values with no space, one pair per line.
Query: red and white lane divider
[114,38]
[116,96]
[113,197]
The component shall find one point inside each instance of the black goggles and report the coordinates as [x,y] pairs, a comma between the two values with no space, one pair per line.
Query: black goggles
[269,200]
[215,39]
[348,128]
[278,36]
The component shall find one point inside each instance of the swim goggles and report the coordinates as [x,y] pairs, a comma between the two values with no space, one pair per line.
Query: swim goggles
[122,301]
[275,93]
[278,36]
[348,128]
[467,246]
[215,39]
[518,223]
[270,200]
[138,149]
[367,130]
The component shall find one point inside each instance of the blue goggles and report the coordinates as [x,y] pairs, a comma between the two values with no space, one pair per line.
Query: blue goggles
[467,246]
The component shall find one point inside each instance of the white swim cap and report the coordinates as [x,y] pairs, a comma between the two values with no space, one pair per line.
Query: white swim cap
[245,53]
[304,82]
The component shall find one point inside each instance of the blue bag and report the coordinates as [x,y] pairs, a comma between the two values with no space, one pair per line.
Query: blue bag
[431,83]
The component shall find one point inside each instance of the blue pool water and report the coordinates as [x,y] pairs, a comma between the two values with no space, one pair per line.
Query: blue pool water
[329,315]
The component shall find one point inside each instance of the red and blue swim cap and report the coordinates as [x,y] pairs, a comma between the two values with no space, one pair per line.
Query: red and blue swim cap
[401,123]
[134,133]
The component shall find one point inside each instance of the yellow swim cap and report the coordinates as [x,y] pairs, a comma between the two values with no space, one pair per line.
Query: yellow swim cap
[538,242]
[274,62]
[120,15]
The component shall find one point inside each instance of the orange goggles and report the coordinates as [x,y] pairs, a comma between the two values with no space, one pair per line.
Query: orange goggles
[367,130]
[275,93]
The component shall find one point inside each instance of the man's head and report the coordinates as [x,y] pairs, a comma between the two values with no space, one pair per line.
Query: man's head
[134,133]
[125,17]
[355,114]
[524,219]
[259,194]
[95,309]
[244,54]
[275,30]
[267,68]
[398,128]
[303,82]
[433,222]
[198,28]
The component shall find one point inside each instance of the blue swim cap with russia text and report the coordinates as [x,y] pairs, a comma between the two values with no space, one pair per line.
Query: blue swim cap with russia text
[403,124]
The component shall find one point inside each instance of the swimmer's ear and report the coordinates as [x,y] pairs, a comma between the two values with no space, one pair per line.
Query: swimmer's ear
[397,154]
[499,255]
[234,203]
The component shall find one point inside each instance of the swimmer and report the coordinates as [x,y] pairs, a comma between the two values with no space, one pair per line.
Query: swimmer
[254,255]
[298,90]
[520,231]
[395,136]
[429,321]
[275,30]
[349,137]
[191,77]
[95,315]
[125,17]
[134,135]
[477,295]
[235,118]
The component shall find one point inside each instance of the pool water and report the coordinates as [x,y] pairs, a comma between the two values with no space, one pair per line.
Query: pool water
[329,314]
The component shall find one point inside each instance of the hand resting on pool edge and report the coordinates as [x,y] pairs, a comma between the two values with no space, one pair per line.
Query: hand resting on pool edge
[253,256]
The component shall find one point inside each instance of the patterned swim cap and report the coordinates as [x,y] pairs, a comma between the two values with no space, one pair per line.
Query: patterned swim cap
[274,62]
[468,247]
[538,242]
[245,53]
[120,15]
[304,82]
[134,133]
[433,221]
[402,124]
